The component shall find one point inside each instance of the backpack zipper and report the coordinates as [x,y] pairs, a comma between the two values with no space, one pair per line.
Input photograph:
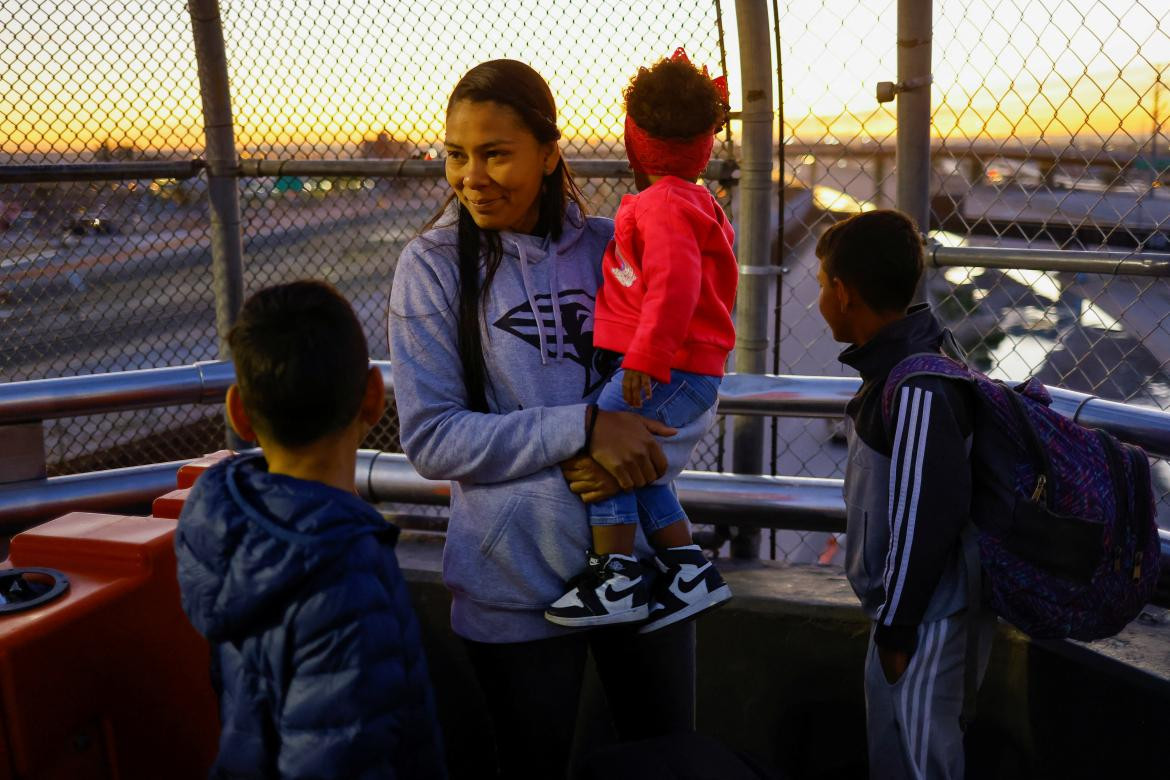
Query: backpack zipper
[1041,486]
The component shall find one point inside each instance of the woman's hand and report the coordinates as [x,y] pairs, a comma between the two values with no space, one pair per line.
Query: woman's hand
[589,480]
[623,444]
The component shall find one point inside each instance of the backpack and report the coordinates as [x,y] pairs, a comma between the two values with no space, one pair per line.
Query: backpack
[1063,515]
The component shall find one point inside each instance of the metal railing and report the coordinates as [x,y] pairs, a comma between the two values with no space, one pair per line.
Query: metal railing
[120,171]
[137,174]
[740,394]
[1056,260]
[752,500]
[401,168]
[974,84]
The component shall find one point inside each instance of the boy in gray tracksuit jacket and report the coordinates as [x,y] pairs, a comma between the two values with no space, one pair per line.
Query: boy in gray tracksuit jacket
[908,494]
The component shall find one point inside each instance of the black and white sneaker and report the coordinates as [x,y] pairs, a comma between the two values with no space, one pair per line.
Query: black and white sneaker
[689,584]
[611,590]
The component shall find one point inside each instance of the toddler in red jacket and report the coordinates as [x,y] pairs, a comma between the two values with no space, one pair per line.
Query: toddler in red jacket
[670,276]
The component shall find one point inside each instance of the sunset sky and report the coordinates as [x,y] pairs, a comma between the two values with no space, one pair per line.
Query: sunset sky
[307,74]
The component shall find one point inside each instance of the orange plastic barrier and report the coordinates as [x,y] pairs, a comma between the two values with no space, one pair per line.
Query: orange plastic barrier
[170,504]
[108,680]
[191,471]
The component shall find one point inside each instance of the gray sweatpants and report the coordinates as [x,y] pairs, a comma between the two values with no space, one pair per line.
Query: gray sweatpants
[913,724]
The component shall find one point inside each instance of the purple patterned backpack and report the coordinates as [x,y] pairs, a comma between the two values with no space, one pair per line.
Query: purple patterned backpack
[1064,515]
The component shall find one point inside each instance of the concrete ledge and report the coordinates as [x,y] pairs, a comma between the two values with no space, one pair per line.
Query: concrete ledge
[780,678]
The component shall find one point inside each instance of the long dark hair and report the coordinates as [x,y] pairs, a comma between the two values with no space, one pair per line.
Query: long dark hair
[513,84]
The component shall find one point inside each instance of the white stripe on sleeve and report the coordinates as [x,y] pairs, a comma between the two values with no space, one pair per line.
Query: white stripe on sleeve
[907,410]
[912,484]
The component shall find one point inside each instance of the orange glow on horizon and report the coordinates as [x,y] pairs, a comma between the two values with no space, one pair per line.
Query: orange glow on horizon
[312,76]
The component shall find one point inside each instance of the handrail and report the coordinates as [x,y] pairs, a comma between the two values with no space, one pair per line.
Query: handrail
[792,503]
[1116,263]
[111,171]
[75,396]
[379,168]
[982,151]
[802,503]
[748,394]
[25,503]
[799,503]
[582,168]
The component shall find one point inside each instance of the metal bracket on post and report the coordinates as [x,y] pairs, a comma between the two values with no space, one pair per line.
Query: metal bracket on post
[888,90]
[22,457]
[21,460]
[763,270]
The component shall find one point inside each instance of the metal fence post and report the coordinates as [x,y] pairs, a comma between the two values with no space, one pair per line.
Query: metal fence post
[754,240]
[227,248]
[913,163]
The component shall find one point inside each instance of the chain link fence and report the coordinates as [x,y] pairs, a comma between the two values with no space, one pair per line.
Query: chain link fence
[109,276]
[103,276]
[1047,132]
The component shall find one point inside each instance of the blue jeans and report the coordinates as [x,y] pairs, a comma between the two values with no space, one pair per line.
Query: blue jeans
[684,400]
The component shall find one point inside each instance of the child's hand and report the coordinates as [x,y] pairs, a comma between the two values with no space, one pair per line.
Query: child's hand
[894,663]
[589,480]
[635,388]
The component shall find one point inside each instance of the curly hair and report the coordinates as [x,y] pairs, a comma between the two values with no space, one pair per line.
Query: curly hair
[674,99]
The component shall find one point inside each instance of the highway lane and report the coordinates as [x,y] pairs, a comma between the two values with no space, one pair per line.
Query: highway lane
[83,306]
[144,306]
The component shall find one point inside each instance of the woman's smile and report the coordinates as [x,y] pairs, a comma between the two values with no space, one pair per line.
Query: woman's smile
[495,165]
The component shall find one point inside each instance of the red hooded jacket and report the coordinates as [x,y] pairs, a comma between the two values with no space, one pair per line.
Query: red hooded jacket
[670,279]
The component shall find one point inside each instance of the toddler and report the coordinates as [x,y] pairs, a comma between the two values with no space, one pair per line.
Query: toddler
[665,305]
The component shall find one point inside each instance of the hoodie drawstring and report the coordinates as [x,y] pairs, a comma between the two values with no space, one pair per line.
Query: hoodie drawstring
[554,292]
[527,281]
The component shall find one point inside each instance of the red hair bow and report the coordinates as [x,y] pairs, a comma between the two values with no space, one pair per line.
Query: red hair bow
[720,82]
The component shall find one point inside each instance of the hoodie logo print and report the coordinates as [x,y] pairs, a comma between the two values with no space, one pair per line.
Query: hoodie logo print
[624,273]
[577,333]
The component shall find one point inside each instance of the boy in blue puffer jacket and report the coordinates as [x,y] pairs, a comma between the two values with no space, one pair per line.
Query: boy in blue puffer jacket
[292,578]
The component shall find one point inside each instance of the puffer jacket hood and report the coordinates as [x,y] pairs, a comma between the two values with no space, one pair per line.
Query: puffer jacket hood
[316,652]
[261,536]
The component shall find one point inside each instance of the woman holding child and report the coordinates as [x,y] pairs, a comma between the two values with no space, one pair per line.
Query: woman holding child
[491,325]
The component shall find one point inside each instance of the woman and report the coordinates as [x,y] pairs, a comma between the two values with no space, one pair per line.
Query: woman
[495,375]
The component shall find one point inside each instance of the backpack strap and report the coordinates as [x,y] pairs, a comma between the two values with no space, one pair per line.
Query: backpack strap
[1143,497]
[920,364]
[1132,499]
[1032,443]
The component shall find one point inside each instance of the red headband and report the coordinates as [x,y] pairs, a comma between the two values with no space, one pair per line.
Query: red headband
[686,158]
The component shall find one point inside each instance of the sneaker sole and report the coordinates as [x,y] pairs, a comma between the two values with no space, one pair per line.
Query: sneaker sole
[635,615]
[715,598]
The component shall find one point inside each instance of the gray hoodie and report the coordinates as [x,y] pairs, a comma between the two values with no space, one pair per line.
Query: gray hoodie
[516,532]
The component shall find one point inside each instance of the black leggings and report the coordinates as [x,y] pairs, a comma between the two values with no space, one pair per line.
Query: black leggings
[533,691]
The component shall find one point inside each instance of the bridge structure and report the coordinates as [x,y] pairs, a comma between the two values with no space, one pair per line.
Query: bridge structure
[788,688]
[800,626]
